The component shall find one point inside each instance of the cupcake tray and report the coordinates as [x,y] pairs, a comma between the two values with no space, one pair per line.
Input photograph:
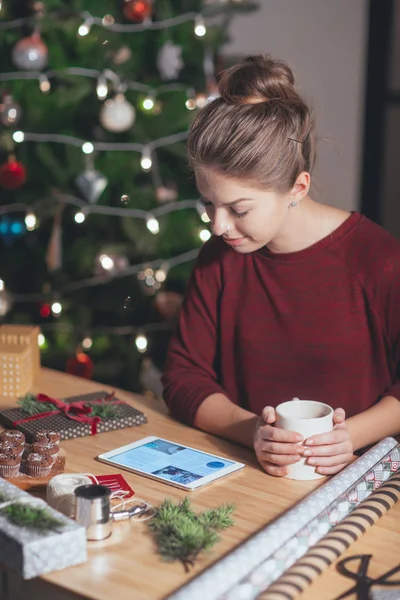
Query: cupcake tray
[26,482]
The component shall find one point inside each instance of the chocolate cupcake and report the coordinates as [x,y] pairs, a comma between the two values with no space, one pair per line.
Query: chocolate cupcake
[50,450]
[37,465]
[11,448]
[9,465]
[47,437]
[13,435]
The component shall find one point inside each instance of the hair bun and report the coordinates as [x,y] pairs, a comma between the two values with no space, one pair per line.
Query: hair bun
[257,79]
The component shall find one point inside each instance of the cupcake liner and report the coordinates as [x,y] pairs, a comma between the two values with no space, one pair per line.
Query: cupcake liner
[7,471]
[38,470]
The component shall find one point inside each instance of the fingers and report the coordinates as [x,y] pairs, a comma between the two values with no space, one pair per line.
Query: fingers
[331,470]
[329,450]
[274,470]
[339,416]
[329,461]
[268,414]
[340,434]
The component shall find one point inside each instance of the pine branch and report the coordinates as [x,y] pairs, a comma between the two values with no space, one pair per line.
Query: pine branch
[104,410]
[31,517]
[31,406]
[182,535]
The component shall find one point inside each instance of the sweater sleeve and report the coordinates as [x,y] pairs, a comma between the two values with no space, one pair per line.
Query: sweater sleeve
[387,294]
[189,375]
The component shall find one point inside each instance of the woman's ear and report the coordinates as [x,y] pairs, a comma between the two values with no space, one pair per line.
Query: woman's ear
[300,188]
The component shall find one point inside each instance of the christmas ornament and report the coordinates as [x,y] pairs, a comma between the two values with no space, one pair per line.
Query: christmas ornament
[169,60]
[54,250]
[117,114]
[137,10]
[5,302]
[91,184]
[80,365]
[10,111]
[12,174]
[30,53]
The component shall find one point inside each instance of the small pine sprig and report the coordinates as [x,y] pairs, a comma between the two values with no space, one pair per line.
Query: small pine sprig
[32,517]
[31,406]
[104,410]
[180,534]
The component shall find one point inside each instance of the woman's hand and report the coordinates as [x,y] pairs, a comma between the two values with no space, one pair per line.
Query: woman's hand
[330,452]
[275,448]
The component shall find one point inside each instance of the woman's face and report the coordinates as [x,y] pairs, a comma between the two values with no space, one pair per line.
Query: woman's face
[247,218]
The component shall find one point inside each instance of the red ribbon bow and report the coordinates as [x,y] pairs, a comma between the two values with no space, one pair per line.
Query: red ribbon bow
[77,411]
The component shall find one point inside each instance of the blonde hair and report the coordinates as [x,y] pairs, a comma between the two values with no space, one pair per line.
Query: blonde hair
[259,128]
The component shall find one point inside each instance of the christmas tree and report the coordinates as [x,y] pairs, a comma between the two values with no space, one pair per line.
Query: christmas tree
[99,217]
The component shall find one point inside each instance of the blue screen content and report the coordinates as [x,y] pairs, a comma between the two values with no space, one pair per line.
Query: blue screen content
[171,462]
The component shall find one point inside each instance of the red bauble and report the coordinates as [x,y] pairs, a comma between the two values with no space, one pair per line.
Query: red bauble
[12,174]
[137,10]
[80,365]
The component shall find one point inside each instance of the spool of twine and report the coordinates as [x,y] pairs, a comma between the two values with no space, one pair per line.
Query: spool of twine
[60,491]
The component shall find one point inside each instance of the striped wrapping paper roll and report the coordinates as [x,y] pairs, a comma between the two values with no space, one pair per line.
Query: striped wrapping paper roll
[231,577]
[296,579]
[269,570]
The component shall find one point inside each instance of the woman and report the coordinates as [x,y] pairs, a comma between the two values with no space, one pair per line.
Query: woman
[289,298]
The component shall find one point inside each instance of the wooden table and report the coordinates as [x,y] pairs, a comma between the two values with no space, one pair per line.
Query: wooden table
[126,566]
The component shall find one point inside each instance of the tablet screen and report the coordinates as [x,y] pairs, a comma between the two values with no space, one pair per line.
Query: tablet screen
[170,461]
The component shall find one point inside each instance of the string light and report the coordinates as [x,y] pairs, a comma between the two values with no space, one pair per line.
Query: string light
[87,148]
[79,217]
[106,262]
[141,342]
[56,308]
[30,221]
[204,235]
[1,285]
[86,26]
[44,83]
[41,340]
[108,74]
[108,22]
[87,343]
[145,161]
[148,103]
[200,26]
[152,224]
[18,136]
[102,88]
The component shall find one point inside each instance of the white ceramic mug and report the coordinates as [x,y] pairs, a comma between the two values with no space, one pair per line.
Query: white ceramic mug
[308,418]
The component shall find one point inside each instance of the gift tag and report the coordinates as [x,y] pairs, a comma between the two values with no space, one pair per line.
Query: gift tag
[116,482]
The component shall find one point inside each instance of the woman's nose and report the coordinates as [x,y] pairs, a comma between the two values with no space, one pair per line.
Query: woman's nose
[219,225]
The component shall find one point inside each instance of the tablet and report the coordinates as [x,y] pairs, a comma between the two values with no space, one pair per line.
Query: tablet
[170,462]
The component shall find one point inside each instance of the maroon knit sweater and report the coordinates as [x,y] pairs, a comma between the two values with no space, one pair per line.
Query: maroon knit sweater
[320,324]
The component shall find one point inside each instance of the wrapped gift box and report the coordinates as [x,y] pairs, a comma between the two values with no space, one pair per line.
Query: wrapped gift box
[126,416]
[32,553]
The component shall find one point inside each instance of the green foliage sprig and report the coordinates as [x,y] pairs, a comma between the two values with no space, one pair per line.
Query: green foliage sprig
[180,534]
[32,517]
[30,405]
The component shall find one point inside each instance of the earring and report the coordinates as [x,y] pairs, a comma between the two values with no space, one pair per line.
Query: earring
[293,204]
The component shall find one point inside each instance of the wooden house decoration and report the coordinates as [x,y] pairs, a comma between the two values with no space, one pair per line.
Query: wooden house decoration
[19,359]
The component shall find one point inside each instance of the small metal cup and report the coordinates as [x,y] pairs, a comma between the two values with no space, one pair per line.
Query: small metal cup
[93,511]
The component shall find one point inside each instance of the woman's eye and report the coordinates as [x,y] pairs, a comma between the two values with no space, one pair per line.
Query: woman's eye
[205,202]
[240,215]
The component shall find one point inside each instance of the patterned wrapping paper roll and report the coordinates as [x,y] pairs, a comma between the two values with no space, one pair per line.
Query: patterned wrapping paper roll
[268,571]
[319,557]
[224,575]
